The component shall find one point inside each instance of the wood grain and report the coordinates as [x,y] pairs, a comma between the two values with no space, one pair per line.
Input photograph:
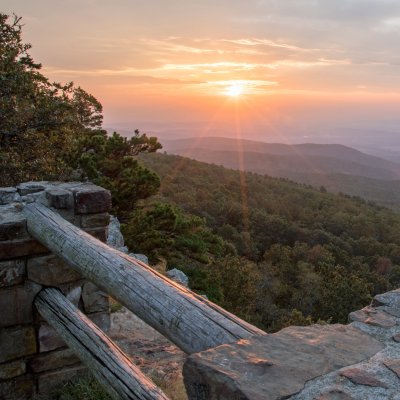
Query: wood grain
[191,322]
[113,370]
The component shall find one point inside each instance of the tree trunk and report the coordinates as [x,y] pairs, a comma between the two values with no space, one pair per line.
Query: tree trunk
[112,369]
[191,322]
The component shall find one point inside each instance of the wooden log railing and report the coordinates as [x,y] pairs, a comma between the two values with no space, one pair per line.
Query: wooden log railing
[113,370]
[191,322]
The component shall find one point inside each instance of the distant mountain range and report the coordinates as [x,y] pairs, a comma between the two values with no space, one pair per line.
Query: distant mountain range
[336,167]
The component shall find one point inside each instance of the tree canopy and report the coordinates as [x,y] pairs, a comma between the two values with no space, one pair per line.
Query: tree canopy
[50,130]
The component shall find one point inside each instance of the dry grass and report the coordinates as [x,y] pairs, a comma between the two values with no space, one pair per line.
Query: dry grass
[87,388]
[173,388]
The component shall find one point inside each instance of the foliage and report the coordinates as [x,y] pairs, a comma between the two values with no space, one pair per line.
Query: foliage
[311,255]
[37,118]
[110,161]
[85,387]
[162,230]
[49,130]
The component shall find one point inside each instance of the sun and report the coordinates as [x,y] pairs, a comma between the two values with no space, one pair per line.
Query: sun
[234,90]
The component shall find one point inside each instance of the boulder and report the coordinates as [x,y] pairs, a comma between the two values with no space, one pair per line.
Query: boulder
[8,195]
[140,257]
[115,238]
[178,276]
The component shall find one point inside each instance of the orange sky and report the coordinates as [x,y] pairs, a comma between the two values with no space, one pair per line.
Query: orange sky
[168,65]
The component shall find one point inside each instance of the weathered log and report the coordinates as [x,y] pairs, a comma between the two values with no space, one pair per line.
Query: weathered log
[190,321]
[113,370]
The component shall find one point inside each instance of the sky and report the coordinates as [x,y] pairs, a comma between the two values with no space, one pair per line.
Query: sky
[271,70]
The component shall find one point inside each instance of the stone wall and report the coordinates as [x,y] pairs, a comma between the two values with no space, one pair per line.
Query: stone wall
[33,359]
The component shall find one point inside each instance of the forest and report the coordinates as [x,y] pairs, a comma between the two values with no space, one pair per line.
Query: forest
[293,254]
[269,250]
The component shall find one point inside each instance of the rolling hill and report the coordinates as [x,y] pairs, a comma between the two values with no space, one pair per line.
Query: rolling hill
[336,167]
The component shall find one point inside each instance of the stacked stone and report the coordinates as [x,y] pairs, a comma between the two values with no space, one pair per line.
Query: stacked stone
[33,358]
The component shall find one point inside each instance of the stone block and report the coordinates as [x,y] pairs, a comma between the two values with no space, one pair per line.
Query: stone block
[12,272]
[49,382]
[12,223]
[68,215]
[49,339]
[98,233]
[16,342]
[53,360]
[8,195]
[20,248]
[91,199]
[372,316]
[95,220]
[72,292]
[102,320]
[94,300]
[275,366]
[20,388]
[16,304]
[12,369]
[50,271]
[60,198]
[27,188]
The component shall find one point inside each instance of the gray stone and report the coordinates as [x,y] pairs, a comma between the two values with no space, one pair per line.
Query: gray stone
[178,276]
[12,223]
[334,395]
[12,369]
[60,198]
[8,195]
[372,316]
[91,199]
[102,320]
[53,360]
[361,377]
[16,342]
[27,188]
[390,299]
[69,215]
[275,366]
[98,233]
[16,304]
[115,238]
[73,293]
[50,271]
[49,339]
[20,248]
[20,388]
[396,338]
[49,382]
[393,365]
[140,257]
[95,220]
[395,312]
[94,300]
[12,272]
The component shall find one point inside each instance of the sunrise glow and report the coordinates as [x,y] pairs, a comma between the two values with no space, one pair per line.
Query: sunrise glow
[292,68]
[234,90]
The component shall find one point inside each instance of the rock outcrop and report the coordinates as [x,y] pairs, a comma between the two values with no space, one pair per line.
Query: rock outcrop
[359,361]
[178,276]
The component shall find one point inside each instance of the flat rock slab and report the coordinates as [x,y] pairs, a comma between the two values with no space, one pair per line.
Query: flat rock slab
[361,377]
[391,299]
[334,395]
[393,365]
[372,316]
[275,366]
